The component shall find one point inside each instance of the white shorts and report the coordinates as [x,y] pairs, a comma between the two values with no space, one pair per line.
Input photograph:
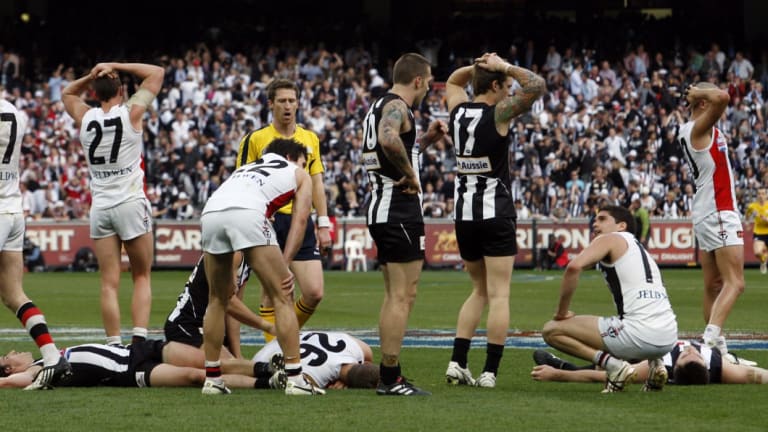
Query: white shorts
[623,342]
[12,232]
[718,230]
[236,229]
[127,220]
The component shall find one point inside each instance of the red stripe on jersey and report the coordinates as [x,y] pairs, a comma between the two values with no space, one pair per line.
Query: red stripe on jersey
[144,179]
[29,313]
[279,202]
[721,178]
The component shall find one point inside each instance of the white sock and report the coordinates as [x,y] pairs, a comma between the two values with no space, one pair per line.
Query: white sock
[50,354]
[711,332]
[140,332]
[114,340]
[721,345]
[293,370]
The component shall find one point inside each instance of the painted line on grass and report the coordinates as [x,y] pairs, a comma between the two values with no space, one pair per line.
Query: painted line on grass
[413,338]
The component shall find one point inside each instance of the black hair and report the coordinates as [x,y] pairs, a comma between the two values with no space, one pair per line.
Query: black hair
[691,373]
[364,375]
[106,87]
[621,214]
[287,148]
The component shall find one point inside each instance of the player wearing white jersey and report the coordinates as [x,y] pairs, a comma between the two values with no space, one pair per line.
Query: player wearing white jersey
[331,359]
[717,223]
[111,135]
[644,327]
[12,127]
[236,218]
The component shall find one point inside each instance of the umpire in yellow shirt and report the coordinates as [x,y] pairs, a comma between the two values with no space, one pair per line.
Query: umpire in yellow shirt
[283,100]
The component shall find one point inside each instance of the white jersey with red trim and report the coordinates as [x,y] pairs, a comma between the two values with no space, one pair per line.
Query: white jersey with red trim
[114,151]
[264,185]
[12,127]
[711,169]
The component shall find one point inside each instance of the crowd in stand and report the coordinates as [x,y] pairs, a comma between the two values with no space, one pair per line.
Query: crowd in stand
[604,132]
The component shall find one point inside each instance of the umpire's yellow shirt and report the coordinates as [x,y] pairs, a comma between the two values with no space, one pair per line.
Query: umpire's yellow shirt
[253,144]
[756,210]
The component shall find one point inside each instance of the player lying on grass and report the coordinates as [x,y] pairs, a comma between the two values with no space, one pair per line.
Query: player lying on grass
[689,363]
[330,359]
[144,364]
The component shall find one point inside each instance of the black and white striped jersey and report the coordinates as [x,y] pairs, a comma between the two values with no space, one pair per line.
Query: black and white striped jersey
[712,358]
[388,203]
[191,304]
[113,365]
[482,158]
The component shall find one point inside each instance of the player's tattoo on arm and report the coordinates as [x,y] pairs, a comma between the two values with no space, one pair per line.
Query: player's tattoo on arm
[393,116]
[533,87]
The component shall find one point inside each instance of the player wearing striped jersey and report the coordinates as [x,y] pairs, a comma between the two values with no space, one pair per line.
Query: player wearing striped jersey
[484,213]
[395,221]
[757,213]
[144,364]
[331,359]
[644,328]
[237,218]
[689,363]
[12,227]
[121,215]
[283,100]
[185,322]
[716,220]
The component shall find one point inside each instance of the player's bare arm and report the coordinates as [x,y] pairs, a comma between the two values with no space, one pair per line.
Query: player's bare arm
[717,100]
[533,87]
[437,129]
[395,120]
[73,103]
[455,87]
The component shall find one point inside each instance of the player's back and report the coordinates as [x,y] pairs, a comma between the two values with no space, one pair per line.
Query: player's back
[12,127]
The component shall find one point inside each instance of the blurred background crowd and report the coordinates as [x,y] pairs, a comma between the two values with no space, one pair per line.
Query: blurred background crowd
[604,132]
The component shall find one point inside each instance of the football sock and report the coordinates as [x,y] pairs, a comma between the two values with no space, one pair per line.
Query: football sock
[261,370]
[460,350]
[607,361]
[33,321]
[389,374]
[114,340]
[293,371]
[139,335]
[268,314]
[303,312]
[493,353]
[213,369]
[711,332]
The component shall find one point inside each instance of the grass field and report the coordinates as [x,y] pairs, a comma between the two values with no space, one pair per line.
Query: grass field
[352,301]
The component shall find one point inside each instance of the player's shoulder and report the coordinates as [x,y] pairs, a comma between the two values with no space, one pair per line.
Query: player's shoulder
[305,135]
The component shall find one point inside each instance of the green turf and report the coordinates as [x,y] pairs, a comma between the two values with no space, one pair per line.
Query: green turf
[352,300]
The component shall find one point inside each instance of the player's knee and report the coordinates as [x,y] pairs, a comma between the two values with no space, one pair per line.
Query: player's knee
[550,330]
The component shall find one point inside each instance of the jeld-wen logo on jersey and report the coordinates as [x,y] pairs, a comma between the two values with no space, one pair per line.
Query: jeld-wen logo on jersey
[371,160]
[473,165]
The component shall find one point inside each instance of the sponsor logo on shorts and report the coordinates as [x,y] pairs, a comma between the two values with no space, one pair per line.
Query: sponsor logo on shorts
[723,234]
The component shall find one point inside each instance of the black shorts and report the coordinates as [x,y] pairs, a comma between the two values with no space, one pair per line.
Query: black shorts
[491,237]
[184,332]
[145,356]
[398,243]
[762,237]
[309,250]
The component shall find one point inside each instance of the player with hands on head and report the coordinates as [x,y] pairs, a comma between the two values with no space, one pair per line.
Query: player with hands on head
[484,213]
[121,214]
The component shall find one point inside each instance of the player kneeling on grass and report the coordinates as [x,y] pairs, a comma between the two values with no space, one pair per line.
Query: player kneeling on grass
[689,363]
[143,364]
[644,327]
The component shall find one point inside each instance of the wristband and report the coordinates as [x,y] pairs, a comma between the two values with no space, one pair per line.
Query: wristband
[323,222]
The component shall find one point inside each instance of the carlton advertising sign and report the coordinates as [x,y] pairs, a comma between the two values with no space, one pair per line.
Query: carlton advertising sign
[177,244]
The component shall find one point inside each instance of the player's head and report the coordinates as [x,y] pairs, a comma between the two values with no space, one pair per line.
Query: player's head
[612,218]
[413,69]
[15,362]
[690,368]
[696,105]
[288,149]
[283,100]
[365,375]
[106,87]
[486,81]
[762,194]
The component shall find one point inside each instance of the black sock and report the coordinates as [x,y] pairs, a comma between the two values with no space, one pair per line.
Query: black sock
[261,370]
[460,350]
[493,355]
[388,374]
